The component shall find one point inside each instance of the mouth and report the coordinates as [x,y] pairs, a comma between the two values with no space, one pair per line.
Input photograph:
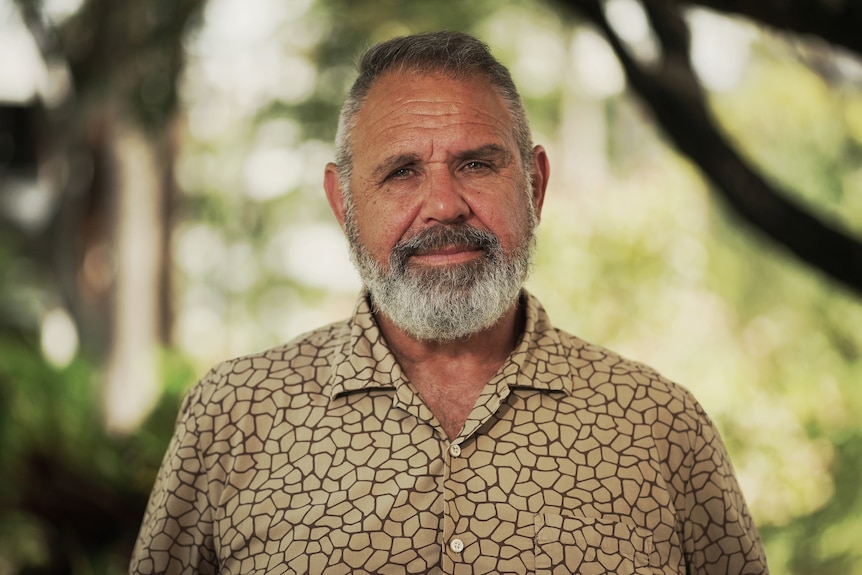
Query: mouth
[444,246]
[447,255]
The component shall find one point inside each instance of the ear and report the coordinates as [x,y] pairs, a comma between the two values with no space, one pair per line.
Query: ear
[334,193]
[541,173]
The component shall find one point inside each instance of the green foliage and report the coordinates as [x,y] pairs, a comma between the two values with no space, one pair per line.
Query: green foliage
[802,334]
[782,101]
[72,495]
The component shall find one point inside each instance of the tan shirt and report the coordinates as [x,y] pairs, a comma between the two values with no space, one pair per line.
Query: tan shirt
[320,457]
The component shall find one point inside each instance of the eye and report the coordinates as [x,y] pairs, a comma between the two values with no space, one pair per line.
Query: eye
[476,166]
[400,173]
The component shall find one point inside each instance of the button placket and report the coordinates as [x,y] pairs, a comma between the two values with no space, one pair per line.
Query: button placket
[454,542]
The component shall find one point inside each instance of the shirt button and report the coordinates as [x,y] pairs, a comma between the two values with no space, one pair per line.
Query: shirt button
[456,545]
[455,451]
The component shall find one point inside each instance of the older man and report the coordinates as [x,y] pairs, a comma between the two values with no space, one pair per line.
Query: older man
[447,427]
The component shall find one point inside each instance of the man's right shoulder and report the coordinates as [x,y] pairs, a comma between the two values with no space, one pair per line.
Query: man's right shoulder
[302,364]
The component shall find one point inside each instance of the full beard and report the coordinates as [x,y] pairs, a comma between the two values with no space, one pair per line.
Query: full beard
[451,302]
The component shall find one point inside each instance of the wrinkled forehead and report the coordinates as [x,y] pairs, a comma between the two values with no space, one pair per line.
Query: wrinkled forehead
[401,103]
[410,87]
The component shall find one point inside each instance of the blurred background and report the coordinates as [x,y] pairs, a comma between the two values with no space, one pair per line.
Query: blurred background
[161,209]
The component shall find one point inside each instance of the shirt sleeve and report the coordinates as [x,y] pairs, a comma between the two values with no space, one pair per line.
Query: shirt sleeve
[719,535]
[176,535]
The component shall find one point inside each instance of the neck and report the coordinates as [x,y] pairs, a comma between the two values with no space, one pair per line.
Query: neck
[492,345]
[451,375]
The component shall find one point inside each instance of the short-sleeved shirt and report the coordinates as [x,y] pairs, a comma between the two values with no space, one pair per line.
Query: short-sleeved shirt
[319,456]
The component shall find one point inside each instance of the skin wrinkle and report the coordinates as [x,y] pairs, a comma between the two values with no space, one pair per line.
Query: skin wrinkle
[426,120]
[497,155]
[427,135]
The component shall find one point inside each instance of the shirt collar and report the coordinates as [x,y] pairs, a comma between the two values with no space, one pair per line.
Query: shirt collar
[365,361]
[539,361]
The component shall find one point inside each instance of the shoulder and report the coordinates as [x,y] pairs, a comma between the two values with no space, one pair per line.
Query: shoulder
[602,381]
[303,364]
[632,406]
[625,388]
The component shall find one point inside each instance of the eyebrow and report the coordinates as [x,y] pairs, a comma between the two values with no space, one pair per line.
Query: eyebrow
[487,151]
[392,162]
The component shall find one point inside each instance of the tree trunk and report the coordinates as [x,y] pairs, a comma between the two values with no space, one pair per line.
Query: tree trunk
[131,383]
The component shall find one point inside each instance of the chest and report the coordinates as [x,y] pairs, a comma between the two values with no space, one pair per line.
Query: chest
[450,394]
[373,486]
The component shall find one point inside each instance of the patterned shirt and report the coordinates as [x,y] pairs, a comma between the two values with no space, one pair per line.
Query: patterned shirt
[319,456]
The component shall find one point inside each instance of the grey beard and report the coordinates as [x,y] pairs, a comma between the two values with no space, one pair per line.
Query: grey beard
[445,304]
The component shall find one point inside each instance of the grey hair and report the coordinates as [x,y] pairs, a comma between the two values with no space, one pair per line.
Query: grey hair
[455,54]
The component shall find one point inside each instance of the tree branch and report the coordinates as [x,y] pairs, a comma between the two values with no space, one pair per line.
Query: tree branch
[671,90]
[837,22]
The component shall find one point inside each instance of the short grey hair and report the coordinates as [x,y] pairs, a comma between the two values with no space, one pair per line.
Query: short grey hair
[455,54]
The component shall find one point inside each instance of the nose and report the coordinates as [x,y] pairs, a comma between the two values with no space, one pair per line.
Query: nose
[443,201]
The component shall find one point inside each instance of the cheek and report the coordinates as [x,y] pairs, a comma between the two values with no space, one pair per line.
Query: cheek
[381,226]
[508,219]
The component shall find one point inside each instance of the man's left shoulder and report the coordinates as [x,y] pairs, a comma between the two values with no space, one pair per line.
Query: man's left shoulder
[623,382]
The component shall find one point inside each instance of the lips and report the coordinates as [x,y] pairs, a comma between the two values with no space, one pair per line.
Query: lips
[449,250]
[444,244]
[448,256]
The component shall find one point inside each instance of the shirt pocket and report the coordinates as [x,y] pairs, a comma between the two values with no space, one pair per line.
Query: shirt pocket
[594,545]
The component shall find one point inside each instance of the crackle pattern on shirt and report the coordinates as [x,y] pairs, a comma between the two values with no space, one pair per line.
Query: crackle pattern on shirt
[320,457]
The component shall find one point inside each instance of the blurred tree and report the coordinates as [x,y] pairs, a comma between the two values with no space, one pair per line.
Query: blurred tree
[835,22]
[671,89]
[108,240]
[73,491]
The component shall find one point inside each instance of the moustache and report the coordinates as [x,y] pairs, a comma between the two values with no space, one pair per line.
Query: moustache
[442,236]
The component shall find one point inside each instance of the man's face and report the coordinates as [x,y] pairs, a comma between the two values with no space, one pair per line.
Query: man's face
[441,214]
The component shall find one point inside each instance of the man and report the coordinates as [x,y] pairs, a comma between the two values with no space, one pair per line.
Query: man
[447,427]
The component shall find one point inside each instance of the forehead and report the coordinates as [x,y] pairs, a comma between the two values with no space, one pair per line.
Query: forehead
[416,109]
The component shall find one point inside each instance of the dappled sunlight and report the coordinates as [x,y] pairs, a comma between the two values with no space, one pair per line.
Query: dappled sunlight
[271,172]
[720,48]
[59,338]
[783,472]
[629,21]
[315,254]
[22,69]
[595,70]
[533,44]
